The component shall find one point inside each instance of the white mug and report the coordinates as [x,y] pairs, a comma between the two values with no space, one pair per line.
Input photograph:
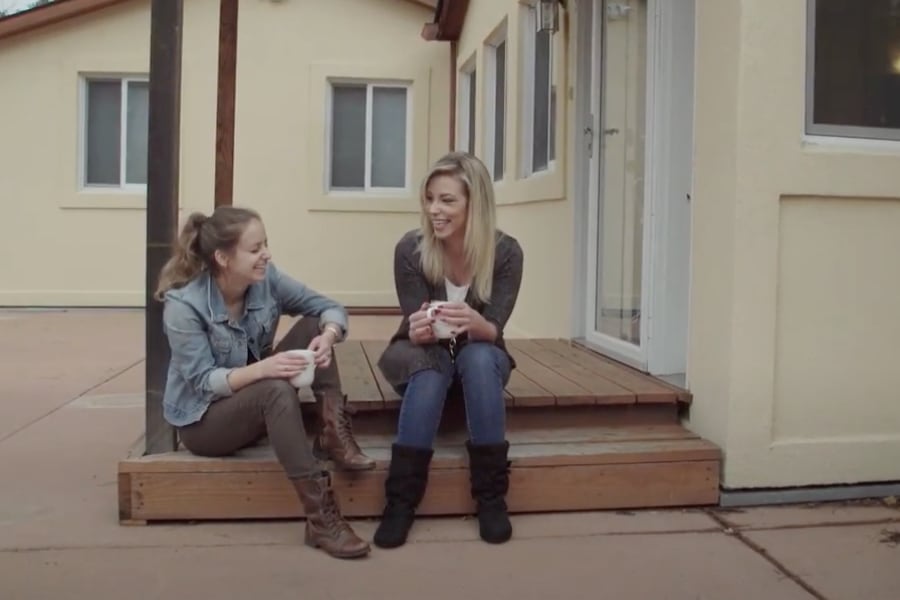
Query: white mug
[442,329]
[308,375]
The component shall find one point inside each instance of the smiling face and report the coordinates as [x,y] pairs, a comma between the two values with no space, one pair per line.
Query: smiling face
[446,205]
[247,261]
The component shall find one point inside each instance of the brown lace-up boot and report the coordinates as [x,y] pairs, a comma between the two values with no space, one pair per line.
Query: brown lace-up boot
[325,527]
[335,441]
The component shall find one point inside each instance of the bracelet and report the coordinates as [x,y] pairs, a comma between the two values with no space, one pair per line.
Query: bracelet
[333,329]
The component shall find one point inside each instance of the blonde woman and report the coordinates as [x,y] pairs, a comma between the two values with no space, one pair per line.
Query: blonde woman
[459,256]
[227,386]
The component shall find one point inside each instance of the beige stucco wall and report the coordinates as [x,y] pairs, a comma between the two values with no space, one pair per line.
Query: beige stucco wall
[794,331]
[342,246]
[53,252]
[83,248]
[534,210]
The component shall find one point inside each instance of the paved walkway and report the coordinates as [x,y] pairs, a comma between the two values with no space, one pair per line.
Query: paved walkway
[72,405]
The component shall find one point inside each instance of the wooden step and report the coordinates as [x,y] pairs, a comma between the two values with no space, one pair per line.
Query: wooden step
[576,468]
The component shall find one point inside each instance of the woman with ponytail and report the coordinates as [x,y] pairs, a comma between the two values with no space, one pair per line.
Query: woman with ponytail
[228,385]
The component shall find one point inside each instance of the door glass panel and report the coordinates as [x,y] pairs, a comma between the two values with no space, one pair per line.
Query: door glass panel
[621,202]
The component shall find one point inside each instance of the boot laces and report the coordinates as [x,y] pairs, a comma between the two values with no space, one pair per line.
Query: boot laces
[345,428]
[334,521]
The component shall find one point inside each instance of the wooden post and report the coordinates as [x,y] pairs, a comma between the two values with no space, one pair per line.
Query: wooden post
[162,203]
[228,29]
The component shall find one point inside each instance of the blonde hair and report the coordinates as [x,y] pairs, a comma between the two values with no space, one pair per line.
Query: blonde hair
[481,224]
[194,250]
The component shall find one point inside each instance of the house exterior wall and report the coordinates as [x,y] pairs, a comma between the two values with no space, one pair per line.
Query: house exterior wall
[86,248]
[794,332]
[68,252]
[536,210]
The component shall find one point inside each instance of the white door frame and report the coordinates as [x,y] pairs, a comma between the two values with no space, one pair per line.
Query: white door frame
[667,182]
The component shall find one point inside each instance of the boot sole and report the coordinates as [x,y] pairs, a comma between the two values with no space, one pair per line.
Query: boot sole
[357,554]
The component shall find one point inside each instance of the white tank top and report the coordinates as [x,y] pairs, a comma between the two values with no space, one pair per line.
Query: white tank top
[455,293]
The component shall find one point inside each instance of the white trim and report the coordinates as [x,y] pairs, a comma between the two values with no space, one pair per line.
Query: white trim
[827,130]
[367,140]
[368,189]
[851,144]
[595,94]
[527,54]
[670,179]
[464,107]
[526,101]
[584,142]
[492,44]
[81,152]
[123,126]
[663,332]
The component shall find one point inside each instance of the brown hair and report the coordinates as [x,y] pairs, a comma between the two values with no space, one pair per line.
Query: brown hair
[194,250]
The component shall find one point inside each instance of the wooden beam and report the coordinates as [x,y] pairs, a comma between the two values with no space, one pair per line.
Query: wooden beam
[449,18]
[228,31]
[166,19]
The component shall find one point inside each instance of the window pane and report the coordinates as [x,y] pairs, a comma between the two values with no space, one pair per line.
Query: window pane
[102,130]
[136,133]
[473,82]
[500,112]
[389,137]
[348,137]
[541,125]
[857,63]
[552,126]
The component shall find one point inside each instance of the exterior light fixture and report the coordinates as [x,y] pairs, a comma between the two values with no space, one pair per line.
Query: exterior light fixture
[547,15]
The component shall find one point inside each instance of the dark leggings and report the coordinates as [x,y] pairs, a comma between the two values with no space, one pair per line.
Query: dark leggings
[267,407]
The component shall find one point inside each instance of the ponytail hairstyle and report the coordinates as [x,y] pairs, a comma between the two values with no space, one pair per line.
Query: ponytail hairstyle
[195,249]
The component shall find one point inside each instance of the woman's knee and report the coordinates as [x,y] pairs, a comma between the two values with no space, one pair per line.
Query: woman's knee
[278,394]
[429,382]
[482,358]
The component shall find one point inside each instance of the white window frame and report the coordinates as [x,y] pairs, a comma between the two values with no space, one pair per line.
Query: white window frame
[123,80]
[837,134]
[527,53]
[467,77]
[368,188]
[500,36]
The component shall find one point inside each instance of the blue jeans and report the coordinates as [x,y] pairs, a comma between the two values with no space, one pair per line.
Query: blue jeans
[483,370]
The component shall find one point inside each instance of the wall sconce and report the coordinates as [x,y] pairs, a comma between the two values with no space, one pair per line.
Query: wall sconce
[547,16]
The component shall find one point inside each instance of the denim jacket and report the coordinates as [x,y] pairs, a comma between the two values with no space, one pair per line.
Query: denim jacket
[206,345]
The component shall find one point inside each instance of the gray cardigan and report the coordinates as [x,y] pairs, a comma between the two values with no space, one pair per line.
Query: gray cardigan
[402,358]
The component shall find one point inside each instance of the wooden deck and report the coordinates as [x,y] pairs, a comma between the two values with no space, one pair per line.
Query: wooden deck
[549,372]
[585,433]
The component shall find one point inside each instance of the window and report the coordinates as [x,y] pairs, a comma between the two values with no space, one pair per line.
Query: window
[115,132]
[539,102]
[853,68]
[369,137]
[466,113]
[495,109]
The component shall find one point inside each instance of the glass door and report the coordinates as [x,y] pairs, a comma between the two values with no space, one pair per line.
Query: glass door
[616,238]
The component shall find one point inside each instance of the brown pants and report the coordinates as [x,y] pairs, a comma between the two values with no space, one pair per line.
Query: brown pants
[267,407]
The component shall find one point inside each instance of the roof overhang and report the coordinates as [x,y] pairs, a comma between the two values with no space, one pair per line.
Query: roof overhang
[449,16]
[49,14]
[60,10]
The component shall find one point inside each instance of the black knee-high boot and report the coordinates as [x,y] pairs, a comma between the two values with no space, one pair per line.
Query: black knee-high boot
[489,474]
[403,490]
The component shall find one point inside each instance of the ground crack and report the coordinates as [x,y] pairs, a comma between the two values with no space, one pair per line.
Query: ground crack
[729,529]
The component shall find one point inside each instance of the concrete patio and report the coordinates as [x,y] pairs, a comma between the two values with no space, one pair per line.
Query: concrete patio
[74,405]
